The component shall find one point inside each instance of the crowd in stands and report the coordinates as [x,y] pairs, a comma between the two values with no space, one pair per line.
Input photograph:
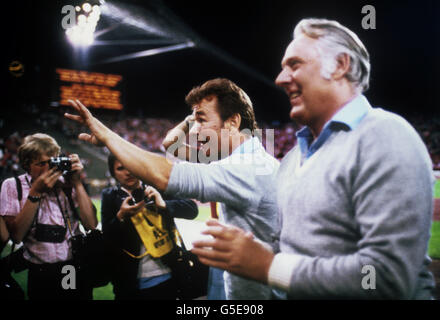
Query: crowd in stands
[8,154]
[429,129]
[148,134]
[145,133]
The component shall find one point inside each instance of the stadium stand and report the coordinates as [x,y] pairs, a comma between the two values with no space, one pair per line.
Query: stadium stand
[148,133]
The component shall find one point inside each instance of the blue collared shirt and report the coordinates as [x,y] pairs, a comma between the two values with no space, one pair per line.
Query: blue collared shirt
[347,118]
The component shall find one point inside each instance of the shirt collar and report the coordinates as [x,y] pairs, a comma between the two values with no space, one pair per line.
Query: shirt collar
[353,112]
[349,115]
[249,146]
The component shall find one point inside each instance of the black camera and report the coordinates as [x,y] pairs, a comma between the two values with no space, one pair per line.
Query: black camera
[50,233]
[63,164]
[138,195]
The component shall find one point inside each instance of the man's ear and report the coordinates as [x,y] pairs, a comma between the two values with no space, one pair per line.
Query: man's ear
[343,64]
[233,122]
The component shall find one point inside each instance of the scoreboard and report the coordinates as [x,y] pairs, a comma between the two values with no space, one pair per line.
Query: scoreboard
[93,89]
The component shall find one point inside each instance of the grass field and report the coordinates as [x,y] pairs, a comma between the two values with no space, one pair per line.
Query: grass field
[106,292]
[434,242]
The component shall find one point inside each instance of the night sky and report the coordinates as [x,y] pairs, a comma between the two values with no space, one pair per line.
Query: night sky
[240,40]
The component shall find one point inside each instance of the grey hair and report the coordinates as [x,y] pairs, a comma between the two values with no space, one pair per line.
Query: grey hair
[335,39]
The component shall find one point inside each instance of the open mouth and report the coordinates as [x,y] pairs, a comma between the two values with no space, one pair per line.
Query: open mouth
[130,180]
[201,143]
[295,97]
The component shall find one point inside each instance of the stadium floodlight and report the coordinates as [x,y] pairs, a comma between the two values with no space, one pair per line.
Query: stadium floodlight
[96,9]
[82,33]
[87,7]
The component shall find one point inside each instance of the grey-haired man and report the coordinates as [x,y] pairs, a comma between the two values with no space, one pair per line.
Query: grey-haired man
[355,194]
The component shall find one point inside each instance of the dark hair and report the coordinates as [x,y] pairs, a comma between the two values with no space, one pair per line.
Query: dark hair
[111,164]
[231,100]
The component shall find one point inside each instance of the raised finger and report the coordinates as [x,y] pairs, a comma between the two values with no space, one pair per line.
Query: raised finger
[74,117]
[80,104]
[85,137]
[76,106]
[82,110]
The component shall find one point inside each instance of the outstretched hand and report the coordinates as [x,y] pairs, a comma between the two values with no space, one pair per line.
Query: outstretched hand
[98,130]
[234,250]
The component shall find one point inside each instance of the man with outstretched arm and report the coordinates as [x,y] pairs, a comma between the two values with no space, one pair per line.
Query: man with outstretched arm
[240,175]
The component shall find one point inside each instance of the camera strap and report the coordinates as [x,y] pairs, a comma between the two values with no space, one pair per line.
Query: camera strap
[35,221]
[65,214]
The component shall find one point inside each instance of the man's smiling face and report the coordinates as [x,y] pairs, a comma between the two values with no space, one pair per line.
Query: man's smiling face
[207,125]
[302,79]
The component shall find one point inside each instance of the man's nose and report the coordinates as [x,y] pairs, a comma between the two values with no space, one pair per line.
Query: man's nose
[283,78]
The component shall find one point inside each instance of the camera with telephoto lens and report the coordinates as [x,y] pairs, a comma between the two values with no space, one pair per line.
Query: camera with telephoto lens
[138,195]
[63,164]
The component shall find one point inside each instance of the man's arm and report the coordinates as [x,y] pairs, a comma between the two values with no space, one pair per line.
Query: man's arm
[175,141]
[147,166]
[233,184]
[184,209]
[176,208]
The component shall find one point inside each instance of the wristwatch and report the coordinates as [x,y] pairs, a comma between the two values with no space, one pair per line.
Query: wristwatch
[33,199]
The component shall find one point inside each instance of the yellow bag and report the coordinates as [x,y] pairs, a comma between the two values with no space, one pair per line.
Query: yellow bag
[153,233]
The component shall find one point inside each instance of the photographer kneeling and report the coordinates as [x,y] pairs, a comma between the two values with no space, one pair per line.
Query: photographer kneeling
[142,277]
[44,218]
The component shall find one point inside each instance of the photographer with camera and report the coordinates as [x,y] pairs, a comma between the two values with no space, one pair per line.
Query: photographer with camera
[142,277]
[46,217]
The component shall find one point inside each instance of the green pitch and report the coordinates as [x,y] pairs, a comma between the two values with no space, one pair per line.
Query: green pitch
[434,242]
